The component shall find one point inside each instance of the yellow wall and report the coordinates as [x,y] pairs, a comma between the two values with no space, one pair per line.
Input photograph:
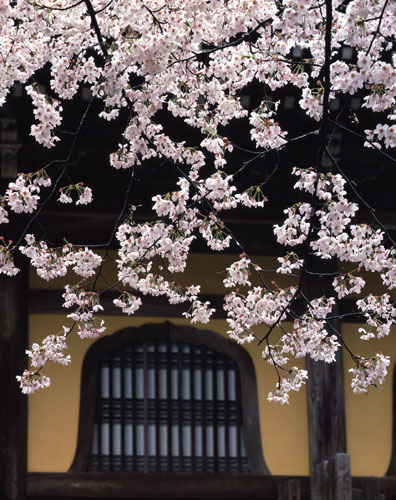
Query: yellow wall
[53,412]
[368,416]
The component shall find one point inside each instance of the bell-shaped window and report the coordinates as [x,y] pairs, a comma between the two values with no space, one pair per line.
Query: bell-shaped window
[167,399]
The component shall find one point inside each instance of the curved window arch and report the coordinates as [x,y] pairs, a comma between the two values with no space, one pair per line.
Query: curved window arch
[165,398]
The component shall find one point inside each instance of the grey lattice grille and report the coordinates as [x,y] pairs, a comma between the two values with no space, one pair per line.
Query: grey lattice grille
[168,407]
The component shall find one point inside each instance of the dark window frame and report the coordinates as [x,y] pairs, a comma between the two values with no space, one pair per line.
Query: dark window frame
[169,331]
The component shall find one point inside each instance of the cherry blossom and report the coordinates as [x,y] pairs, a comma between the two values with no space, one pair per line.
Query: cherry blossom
[293,382]
[84,194]
[196,62]
[50,349]
[7,265]
[369,372]
[31,381]
[88,325]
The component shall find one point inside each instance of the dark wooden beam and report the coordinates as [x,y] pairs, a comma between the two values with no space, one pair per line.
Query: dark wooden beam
[85,485]
[137,485]
[50,302]
[13,404]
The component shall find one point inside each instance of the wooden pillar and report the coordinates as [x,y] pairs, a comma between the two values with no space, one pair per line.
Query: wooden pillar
[325,386]
[334,478]
[13,404]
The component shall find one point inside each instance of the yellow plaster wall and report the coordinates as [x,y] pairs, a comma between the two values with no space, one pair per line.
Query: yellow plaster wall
[368,416]
[53,412]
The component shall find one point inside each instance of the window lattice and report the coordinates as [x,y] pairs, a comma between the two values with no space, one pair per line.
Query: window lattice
[168,406]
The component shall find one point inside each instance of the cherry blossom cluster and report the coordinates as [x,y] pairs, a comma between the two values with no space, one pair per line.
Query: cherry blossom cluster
[345,284]
[265,131]
[141,242]
[7,265]
[310,337]
[30,381]
[22,195]
[380,315]
[47,112]
[258,306]
[49,263]
[292,382]
[84,194]
[369,372]
[128,303]
[253,197]
[50,349]
[294,230]
[239,272]
[87,303]
[289,263]
[194,61]
[337,237]
[52,263]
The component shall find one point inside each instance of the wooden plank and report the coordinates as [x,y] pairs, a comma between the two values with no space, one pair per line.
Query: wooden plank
[13,404]
[372,489]
[333,478]
[136,485]
[290,490]
[387,486]
[341,468]
[322,476]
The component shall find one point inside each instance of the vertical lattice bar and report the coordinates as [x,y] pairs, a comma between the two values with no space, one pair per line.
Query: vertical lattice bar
[169,403]
[122,407]
[238,420]
[157,407]
[134,408]
[179,405]
[99,410]
[110,433]
[227,435]
[215,414]
[192,362]
[145,407]
[203,409]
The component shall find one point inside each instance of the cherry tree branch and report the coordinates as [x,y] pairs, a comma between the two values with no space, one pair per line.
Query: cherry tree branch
[378,26]
[360,197]
[57,182]
[92,14]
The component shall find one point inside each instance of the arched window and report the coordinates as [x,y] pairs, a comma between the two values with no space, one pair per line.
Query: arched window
[167,399]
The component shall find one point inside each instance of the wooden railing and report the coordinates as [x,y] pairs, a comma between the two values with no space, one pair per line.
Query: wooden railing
[334,485]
